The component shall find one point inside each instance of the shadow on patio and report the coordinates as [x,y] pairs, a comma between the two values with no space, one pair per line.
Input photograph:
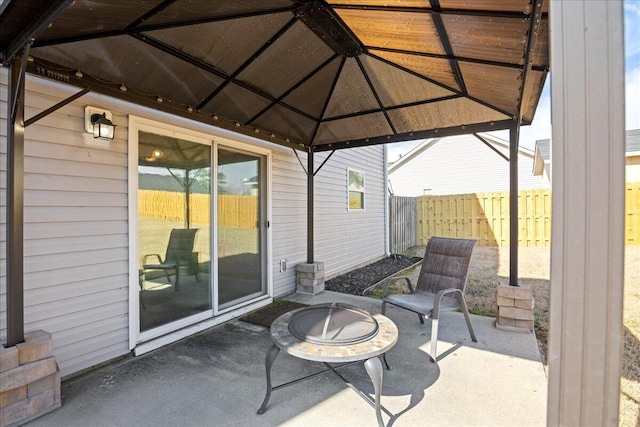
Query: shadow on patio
[217,378]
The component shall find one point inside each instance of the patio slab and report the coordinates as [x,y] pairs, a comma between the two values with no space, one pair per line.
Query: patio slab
[217,378]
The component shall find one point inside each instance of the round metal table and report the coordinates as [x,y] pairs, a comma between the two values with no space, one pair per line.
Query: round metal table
[368,351]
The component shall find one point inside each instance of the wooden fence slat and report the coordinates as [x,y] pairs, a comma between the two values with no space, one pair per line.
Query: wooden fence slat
[485,217]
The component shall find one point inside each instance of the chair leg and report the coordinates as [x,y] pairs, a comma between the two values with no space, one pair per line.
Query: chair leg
[177,278]
[465,310]
[434,339]
[383,308]
[421,317]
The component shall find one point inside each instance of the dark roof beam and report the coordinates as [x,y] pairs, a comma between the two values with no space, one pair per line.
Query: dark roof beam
[211,69]
[488,144]
[433,133]
[59,73]
[159,8]
[56,107]
[326,101]
[442,85]
[294,87]
[50,11]
[375,94]
[161,26]
[446,44]
[391,108]
[532,37]
[248,62]
[443,11]
[457,58]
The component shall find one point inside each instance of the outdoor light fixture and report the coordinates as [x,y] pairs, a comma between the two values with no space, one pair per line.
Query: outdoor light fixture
[102,127]
[98,122]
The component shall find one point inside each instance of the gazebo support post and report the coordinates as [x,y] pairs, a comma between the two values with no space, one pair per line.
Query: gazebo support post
[514,136]
[15,194]
[310,213]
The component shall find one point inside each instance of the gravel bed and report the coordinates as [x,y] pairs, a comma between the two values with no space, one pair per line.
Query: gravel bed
[356,281]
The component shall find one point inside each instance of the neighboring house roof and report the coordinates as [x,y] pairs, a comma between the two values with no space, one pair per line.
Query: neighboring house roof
[633,142]
[543,150]
[460,164]
[500,145]
[542,156]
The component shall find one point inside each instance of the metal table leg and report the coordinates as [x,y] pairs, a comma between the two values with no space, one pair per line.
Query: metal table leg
[272,353]
[375,371]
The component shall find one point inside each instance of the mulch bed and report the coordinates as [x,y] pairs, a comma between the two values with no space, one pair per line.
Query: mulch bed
[356,281]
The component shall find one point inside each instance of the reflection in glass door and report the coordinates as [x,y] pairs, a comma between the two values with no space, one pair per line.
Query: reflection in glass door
[174,223]
[241,227]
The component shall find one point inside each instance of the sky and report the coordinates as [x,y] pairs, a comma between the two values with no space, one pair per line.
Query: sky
[540,128]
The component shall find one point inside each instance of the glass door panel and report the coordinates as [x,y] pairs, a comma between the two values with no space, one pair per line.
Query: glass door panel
[174,223]
[241,227]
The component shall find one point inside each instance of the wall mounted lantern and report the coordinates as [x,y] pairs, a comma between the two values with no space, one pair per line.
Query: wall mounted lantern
[98,122]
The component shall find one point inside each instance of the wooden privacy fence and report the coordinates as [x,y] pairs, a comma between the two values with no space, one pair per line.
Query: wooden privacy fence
[402,223]
[485,217]
[233,210]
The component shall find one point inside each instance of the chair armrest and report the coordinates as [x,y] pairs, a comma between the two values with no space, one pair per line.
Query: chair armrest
[385,284]
[439,295]
[146,257]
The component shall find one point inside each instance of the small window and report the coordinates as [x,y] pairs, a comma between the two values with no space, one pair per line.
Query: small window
[356,189]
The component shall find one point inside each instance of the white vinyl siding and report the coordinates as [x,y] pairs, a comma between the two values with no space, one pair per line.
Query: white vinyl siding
[343,239]
[76,221]
[75,230]
[458,165]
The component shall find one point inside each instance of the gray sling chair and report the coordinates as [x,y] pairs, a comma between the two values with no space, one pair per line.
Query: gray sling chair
[443,277]
[179,254]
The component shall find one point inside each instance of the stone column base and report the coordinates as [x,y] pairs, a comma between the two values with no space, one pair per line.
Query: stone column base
[29,380]
[515,308]
[310,278]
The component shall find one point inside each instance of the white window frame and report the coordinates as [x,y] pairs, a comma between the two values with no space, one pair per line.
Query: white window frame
[349,190]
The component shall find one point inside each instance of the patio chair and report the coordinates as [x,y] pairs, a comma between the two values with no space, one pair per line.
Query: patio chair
[179,254]
[441,284]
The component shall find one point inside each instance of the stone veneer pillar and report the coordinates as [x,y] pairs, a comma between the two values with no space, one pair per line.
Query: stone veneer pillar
[515,308]
[29,380]
[310,278]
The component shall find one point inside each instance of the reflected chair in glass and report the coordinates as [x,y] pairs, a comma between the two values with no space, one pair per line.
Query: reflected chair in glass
[441,284]
[179,254]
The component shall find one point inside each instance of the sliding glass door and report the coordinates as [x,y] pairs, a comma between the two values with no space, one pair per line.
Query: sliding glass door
[241,227]
[174,229]
[198,229]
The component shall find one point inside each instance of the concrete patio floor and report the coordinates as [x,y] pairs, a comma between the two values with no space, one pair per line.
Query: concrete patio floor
[217,378]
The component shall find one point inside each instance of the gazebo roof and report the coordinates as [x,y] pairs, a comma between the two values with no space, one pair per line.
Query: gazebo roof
[306,74]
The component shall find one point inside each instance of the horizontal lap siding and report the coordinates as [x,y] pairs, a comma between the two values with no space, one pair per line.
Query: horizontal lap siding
[346,239]
[75,231]
[343,239]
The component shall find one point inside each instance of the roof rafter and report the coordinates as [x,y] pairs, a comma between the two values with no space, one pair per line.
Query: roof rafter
[159,8]
[443,11]
[446,44]
[532,37]
[211,69]
[248,62]
[457,58]
[162,26]
[375,94]
[292,88]
[433,133]
[394,107]
[442,85]
[326,102]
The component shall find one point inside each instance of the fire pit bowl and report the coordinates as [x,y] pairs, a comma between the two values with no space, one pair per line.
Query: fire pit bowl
[333,324]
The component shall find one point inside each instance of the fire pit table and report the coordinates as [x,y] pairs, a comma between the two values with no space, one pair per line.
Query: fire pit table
[333,333]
